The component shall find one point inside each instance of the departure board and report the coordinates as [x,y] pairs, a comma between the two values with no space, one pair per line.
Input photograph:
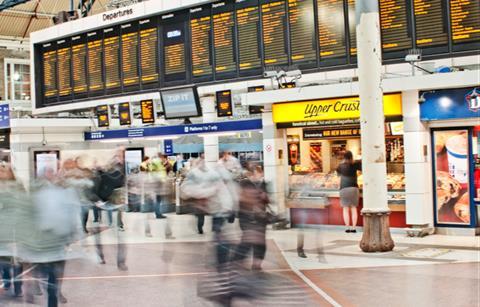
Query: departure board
[174,49]
[111,57]
[248,37]
[301,19]
[103,116]
[124,114]
[224,38]
[352,27]
[148,111]
[130,67]
[148,51]
[430,24]
[465,21]
[394,25]
[64,69]
[79,64]
[49,71]
[331,29]
[95,77]
[201,38]
[224,103]
[274,33]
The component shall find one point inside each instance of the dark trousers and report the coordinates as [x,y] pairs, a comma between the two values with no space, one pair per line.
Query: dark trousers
[7,276]
[200,221]
[121,247]
[222,246]
[96,214]
[49,273]
[158,206]
[243,249]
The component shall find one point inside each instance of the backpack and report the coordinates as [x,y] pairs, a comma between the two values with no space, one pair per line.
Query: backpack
[108,182]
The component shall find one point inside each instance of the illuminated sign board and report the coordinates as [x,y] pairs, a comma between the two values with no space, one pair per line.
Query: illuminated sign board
[224,103]
[148,111]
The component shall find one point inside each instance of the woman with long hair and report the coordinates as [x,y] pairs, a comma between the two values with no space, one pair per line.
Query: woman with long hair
[349,192]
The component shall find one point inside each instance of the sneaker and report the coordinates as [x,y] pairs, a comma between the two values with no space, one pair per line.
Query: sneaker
[301,254]
[348,230]
[122,267]
[353,231]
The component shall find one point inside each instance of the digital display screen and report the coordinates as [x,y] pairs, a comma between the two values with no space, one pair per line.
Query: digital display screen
[256,109]
[224,38]
[130,68]
[180,103]
[201,38]
[302,31]
[394,25]
[174,50]
[352,27]
[274,33]
[430,23]
[124,114]
[148,51]
[111,58]
[148,111]
[49,71]
[224,103]
[64,58]
[95,77]
[248,37]
[465,21]
[79,65]
[102,116]
[331,29]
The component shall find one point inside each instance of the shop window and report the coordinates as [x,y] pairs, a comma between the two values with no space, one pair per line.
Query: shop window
[17,80]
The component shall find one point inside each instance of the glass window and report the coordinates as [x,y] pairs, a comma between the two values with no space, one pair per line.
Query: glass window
[17,80]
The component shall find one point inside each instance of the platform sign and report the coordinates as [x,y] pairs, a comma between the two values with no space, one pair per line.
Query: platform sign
[4,116]
[168,147]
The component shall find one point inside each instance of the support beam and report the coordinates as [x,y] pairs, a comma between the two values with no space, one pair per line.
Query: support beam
[85,6]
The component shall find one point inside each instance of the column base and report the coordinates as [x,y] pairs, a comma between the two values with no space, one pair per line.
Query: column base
[376,231]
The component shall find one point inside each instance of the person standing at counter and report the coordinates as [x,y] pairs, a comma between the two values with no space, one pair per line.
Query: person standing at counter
[349,192]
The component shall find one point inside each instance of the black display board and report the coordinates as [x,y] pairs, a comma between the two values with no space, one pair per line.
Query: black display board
[103,116]
[241,38]
[124,114]
[4,138]
[147,111]
[256,109]
[224,103]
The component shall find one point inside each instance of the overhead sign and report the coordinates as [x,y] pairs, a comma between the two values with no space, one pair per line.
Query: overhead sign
[124,114]
[168,147]
[4,138]
[330,109]
[148,111]
[319,133]
[255,109]
[450,104]
[224,103]
[102,116]
[228,126]
[4,116]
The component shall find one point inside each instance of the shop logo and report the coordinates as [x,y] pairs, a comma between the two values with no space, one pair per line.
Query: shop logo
[473,100]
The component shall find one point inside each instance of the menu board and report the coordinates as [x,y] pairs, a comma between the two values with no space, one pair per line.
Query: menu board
[201,38]
[148,51]
[102,116]
[174,49]
[64,58]
[274,33]
[79,64]
[49,71]
[95,78]
[224,38]
[130,67]
[352,27]
[248,37]
[111,54]
[394,25]
[224,103]
[148,111]
[301,19]
[124,114]
[331,29]
[465,21]
[430,24]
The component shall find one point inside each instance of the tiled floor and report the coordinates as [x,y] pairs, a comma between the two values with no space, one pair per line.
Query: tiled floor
[431,271]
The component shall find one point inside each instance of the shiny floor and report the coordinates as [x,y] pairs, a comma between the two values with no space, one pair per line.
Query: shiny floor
[431,271]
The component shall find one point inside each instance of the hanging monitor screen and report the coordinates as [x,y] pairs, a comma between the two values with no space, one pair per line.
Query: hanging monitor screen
[248,39]
[256,109]
[148,111]
[181,102]
[430,23]
[301,19]
[224,38]
[201,38]
[79,66]
[95,76]
[124,114]
[465,21]
[111,58]
[274,23]
[64,58]
[173,48]
[129,53]
[224,103]
[395,25]
[331,29]
[102,116]
[148,51]
[352,27]
[50,71]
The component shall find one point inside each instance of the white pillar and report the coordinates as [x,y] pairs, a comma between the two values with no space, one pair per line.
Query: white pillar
[418,169]
[376,235]
[275,160]
[210,143]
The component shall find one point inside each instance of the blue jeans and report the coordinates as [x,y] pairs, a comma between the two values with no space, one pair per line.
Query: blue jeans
[50,273]
[7,276]
[222,246]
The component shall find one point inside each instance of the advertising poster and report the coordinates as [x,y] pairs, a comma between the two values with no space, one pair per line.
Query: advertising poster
[293,150]
[46,162]
[316,163]
[133,159]
[452,177]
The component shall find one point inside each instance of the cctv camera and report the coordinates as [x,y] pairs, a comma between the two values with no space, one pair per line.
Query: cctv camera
[413,57]
[294,73]
[269,74]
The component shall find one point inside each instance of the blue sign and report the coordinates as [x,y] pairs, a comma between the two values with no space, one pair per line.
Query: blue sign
[206,128]
[450,104]
[4,116]
[168,147]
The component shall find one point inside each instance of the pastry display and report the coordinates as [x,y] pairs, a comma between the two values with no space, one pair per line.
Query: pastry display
[462,208]
[447,188]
